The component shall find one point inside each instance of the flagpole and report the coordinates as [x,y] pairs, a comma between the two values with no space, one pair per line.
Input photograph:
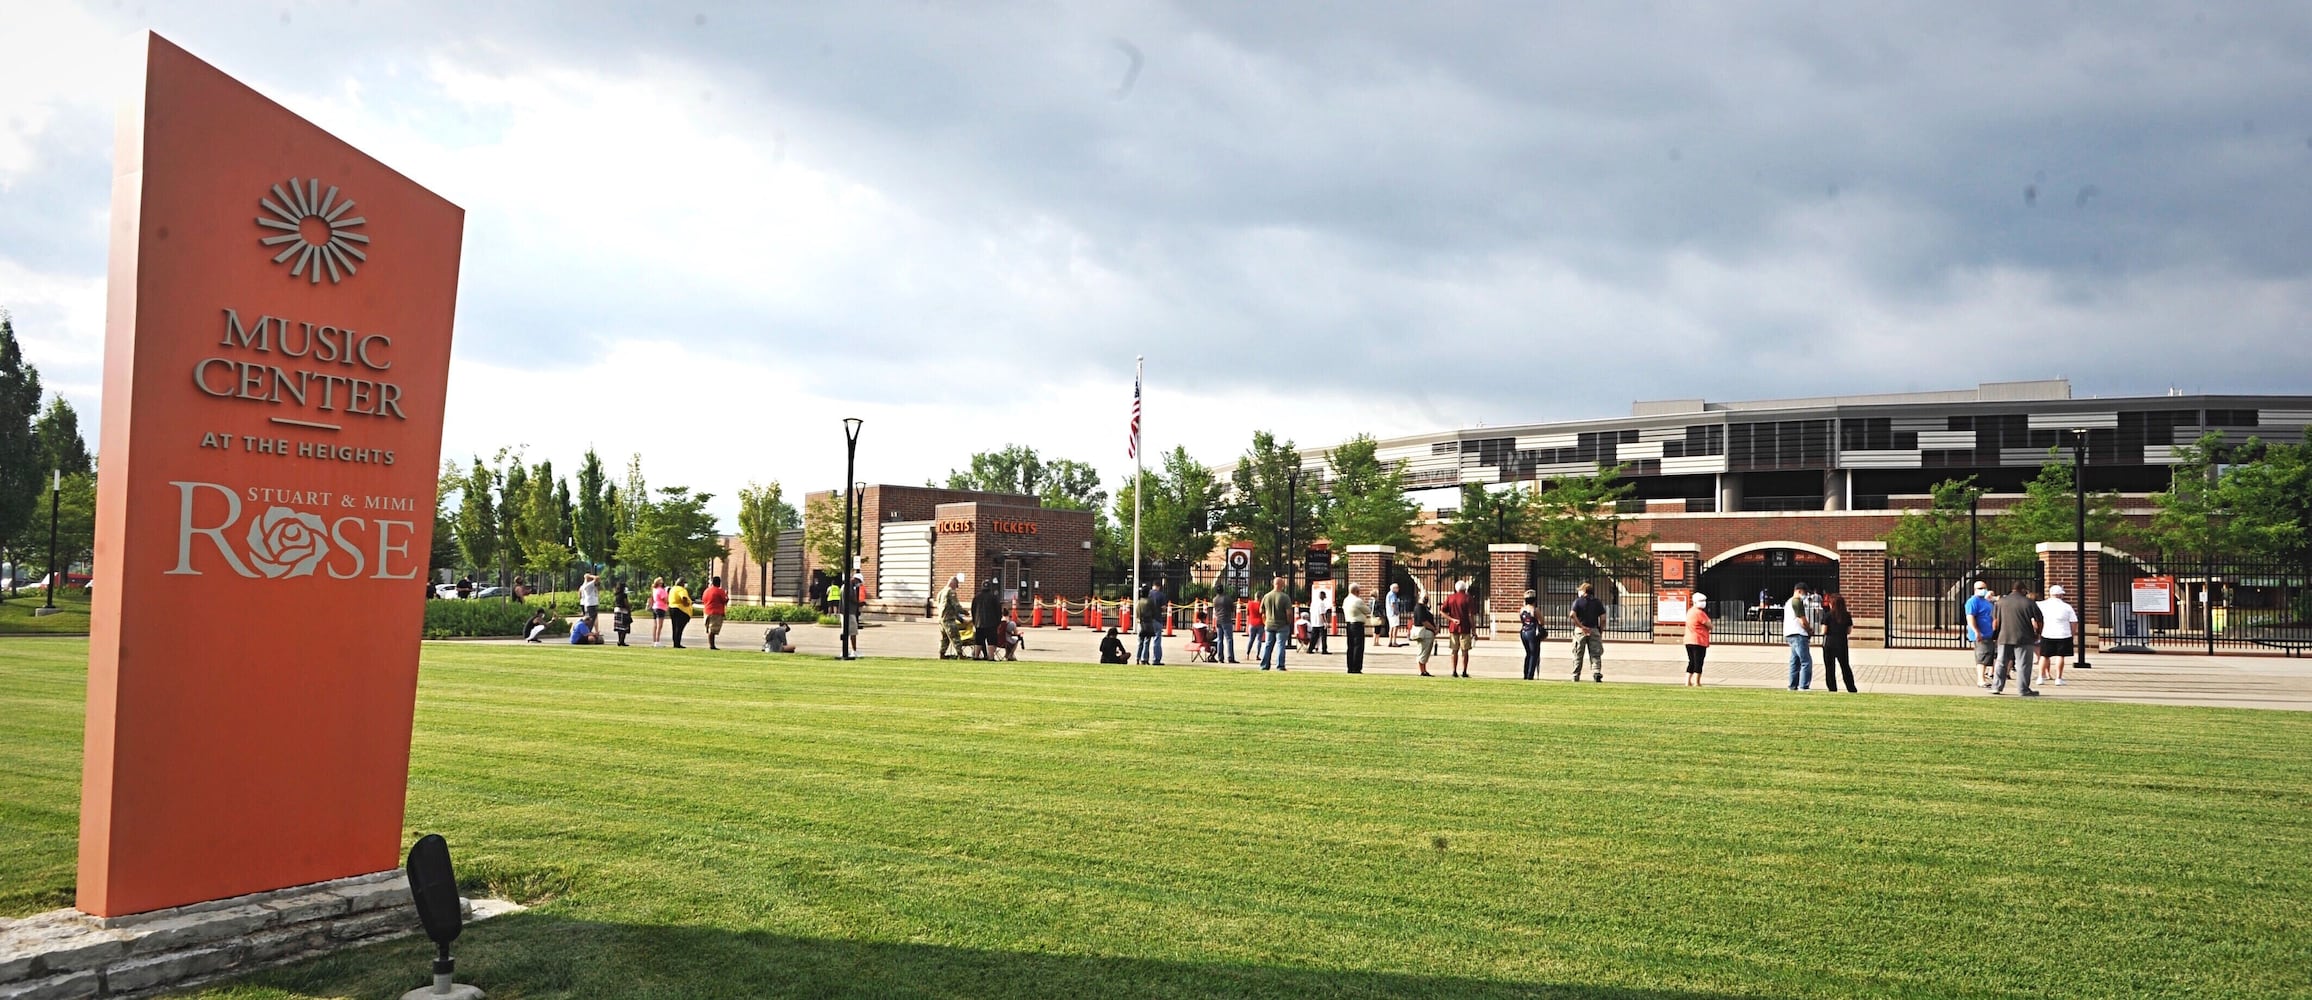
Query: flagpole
[1139,365]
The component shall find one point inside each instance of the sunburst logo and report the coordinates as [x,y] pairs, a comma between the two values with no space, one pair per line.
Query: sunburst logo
[316,231]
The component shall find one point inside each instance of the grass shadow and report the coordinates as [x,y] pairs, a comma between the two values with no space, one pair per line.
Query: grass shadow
[546,956]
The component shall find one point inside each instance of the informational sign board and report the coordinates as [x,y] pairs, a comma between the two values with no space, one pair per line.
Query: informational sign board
[1674,570]
[277,345]
[1671,605]
[1319,564]
[2152,595]
[1236,568]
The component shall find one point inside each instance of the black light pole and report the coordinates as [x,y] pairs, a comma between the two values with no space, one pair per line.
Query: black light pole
[1291,535]
[2079,553]
[55,579]
[843,576]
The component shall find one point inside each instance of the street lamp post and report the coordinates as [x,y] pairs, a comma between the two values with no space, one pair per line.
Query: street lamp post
[844,606]
[2079,539]
[55,579]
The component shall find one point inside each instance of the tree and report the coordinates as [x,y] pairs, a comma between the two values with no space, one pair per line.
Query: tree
[593,524]
[1369,505]
[23,476]
[823,529]
[1178,521]
[762,515]
[75,524]
[2049,512]
[631,498]
[1062,484]
[538,523]
[445,534]
[513,496]
[674,535]
[2188,517]
[2268,495]
[1271,497]
[477,517]
[1938,534]
[57,436]
[1578,519]
[1484,518]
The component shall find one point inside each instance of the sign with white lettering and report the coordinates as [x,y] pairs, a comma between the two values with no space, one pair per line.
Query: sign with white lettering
[276,352]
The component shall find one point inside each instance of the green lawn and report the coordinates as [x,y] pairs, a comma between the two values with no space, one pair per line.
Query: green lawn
[734,825]
[71,617]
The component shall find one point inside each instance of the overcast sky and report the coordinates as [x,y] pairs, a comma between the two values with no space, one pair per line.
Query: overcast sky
[706,232]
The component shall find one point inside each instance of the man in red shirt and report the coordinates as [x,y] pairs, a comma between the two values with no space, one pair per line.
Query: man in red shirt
[1460,626]
[715,600]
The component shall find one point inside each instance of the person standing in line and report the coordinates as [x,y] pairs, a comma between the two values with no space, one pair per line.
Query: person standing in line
[1255,632]
[1321,621]
[1276,613]
[1224,620]
[1589,632]
[950,618]
[590,599]
[1460,627]
[986,616]
[2055,639]
[1837,625]
[1354,611]
[658,609]
[1144,622]
[716,602]
[2018,634]
[679,609]
[1980,610]
[1159,615]
[1798,631]
[1394,607]
[1697,638]
[621,615]
[1529,632]
[854,605]
[1424,637]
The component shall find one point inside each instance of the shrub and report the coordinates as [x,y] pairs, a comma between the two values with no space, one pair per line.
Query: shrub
[831,621]
[464,619]
[795,613]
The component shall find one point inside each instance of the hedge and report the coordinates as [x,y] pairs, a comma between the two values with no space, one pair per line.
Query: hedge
[800,614]
[470,618]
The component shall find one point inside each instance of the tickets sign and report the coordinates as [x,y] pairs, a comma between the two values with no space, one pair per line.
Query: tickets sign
[277,343]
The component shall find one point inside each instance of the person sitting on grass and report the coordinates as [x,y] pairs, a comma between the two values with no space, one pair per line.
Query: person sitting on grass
[537,625]
[582,634]
[1112,648]
[775,640]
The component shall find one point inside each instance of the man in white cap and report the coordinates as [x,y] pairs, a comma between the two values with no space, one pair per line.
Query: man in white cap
[2055,640]
[950,618]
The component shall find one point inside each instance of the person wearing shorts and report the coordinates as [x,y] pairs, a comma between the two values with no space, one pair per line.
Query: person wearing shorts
[657,609]
[1697,638]
[1460,627]
[1394,607]
[716,602]
[2056,641]
[1979,628]
[1424,637]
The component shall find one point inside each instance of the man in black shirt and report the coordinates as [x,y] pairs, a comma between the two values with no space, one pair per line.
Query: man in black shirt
[1589,633]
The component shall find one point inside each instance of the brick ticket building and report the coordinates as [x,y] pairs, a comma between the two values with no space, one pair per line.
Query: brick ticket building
[913,538]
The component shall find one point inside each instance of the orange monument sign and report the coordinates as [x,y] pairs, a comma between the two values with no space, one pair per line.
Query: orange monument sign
[277,344]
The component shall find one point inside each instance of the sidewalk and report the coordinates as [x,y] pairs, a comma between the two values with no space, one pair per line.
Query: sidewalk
[2156,679]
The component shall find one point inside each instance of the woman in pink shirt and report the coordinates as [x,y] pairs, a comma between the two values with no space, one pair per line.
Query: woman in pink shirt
[1697,638]
[657,608]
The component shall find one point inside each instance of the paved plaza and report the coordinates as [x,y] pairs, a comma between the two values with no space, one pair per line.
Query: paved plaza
[2158,679]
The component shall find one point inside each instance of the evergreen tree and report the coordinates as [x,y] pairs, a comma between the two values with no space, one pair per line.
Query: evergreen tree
[513,492]
[23,475]
[477,518]
[57,435]
[1369,505]
[539,523]
[593,523]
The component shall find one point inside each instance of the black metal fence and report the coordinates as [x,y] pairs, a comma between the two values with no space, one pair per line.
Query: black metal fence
[1628,593]
[2205,604]
[1927,601]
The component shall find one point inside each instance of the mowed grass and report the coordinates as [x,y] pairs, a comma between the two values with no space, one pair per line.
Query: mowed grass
[735,825]
[18,614]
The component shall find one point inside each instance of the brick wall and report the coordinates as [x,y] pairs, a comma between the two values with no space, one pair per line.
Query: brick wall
[1689,577]
[1862,582]
[1512,577]
[1066,572]
[2061,563]
[910,503]
[1369,571]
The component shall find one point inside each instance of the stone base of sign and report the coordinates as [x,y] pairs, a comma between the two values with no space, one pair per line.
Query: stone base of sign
[43,612]
[68,955]
[448,991]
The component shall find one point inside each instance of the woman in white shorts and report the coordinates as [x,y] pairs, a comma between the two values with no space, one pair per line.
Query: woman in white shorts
[1424,636]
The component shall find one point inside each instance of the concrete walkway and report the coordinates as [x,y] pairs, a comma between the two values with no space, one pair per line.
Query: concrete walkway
[2159,679]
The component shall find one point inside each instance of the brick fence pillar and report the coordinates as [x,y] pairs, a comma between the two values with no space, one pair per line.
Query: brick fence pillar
[1369,572]
[1862,582]
[1677,566]
[1512,577]
[2060,562]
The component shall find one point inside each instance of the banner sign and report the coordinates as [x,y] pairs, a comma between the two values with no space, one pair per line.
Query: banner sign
[2152,595]
[277,345]
[1671,605]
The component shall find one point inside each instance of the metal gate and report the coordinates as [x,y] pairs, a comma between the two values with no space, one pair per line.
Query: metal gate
[1927,601]
[1628,593]
[2205,604]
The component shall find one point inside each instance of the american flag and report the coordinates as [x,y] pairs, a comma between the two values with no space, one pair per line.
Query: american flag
[1132,450]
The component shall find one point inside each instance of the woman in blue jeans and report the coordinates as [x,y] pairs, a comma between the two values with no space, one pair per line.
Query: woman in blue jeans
[1529,632]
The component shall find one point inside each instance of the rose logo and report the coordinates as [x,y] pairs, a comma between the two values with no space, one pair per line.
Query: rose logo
[285,543]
